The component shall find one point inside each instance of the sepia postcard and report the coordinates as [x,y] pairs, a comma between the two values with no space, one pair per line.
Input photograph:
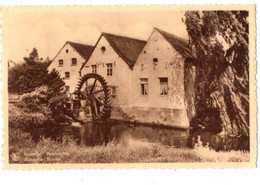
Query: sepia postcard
[129,87]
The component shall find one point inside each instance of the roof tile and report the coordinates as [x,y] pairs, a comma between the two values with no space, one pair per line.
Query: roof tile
[128,48]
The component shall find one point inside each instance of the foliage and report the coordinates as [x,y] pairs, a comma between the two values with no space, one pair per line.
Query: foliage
[58,106]
[29,121]
[220,39]
[31,102]
[33,56]
[36,110]
[42,91]
[26,77]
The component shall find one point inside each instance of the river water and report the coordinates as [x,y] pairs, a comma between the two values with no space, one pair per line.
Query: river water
[92,134]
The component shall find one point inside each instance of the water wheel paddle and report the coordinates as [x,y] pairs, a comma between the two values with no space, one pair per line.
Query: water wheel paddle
[92,92]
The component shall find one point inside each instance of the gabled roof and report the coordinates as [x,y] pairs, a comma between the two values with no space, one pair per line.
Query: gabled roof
[127,48]
[179,44]
[82,49]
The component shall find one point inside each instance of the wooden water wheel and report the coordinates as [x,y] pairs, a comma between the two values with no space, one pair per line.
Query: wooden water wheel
[94,94]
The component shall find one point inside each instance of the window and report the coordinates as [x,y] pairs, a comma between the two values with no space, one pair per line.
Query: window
[73,61]
[142,67]
[112,91]
[163,86]
[103,49]
[94,68]
[144,86]
[60,62]
[155,61]
[67,50]
[67,75]
[67,88]
[109,70]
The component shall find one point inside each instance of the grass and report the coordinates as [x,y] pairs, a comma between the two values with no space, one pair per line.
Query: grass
[48,151]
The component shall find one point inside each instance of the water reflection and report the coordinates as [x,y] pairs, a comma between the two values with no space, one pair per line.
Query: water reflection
[91,134]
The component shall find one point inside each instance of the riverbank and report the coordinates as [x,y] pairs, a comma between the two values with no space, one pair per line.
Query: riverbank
[23,149]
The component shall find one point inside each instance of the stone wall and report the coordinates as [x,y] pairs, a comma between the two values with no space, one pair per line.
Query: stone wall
[151,115]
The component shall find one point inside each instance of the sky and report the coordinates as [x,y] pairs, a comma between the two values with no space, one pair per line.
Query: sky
[48,29]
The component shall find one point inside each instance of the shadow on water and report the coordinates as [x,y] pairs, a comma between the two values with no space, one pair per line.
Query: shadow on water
[92,134]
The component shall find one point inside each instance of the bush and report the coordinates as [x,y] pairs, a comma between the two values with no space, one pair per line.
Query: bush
[28,122]
[32,102]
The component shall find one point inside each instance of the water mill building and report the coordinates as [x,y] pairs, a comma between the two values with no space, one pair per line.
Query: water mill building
[150,81]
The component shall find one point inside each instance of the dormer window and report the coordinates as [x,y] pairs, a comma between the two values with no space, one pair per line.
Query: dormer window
[60,62]
[73,61]
[103,49]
